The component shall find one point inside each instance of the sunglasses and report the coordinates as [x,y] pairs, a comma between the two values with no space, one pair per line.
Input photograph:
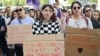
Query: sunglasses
[76,8]
[18,10]
[87,10]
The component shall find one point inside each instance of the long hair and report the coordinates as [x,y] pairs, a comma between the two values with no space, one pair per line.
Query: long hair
[38,15]
[52,18]
[97,12]
[75,2]
[12,17]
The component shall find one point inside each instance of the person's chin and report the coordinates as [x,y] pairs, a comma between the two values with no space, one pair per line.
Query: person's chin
[19,13]
[77,13]
[47,17]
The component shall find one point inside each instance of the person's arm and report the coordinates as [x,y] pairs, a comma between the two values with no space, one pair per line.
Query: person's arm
[64,22]
[3,32]
[63,25]
[57,28]
[99,26]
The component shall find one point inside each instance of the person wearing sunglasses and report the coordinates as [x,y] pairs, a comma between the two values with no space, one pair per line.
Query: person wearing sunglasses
[87,11]
[22,19]
[88,14]
[76,19]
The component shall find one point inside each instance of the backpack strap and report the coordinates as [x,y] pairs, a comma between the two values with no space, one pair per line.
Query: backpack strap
[86,20]
[67,19]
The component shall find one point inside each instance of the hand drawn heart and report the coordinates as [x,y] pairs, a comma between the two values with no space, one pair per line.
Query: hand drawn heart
[80,50]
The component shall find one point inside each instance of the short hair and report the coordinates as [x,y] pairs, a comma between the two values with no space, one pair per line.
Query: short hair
[86,6]
[21,6]
[63,10]
[31,10]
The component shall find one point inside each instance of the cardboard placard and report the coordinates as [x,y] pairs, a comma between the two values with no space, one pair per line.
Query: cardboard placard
[45,45]
[82,43]
[44,48]
[23,33]
[19,33]
[71,30]
[47,37]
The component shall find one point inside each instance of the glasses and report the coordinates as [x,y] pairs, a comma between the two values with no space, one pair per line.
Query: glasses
[18,10]
[76,8]
[88,10]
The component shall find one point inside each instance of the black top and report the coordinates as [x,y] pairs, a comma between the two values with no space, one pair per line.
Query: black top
[95,24]
[3,43]
[2,23]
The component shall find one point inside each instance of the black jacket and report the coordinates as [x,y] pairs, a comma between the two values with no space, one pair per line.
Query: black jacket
[2,23]
[3,43]
[95,24]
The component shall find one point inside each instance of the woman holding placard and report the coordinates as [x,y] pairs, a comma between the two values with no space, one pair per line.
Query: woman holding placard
[47,22]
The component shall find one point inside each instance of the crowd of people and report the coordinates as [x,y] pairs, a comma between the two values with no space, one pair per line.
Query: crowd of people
[50,19]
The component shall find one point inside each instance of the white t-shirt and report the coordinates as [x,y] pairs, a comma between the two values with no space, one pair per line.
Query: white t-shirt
[7,20]
[77,24]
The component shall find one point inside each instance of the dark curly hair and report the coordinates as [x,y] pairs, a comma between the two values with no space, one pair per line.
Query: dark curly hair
[75,2]
[53,17]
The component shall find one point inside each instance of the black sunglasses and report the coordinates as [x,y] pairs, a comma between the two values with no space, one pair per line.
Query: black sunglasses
[88,10]
[18,10]
[76,8]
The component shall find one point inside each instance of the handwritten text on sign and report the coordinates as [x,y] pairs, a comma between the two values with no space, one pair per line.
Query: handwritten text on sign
[44,48]
[18,33]
[82,41]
